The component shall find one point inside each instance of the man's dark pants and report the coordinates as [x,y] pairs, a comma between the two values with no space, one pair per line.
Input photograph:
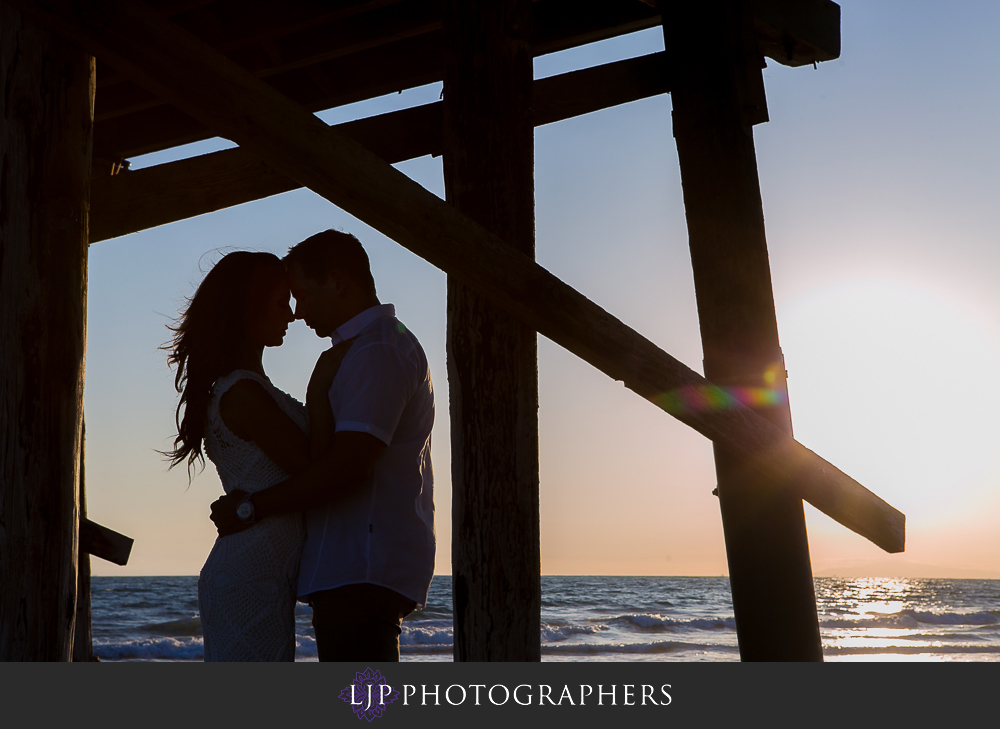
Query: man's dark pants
[359,622]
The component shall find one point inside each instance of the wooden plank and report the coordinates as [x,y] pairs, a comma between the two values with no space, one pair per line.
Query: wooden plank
[791,32]
[231,24]
[561,24]
[375,71]
[235,24]
[301,146]
[105,543]
[766,544]
[302,34]
[810,31]
[145,198]
[492,357]
[340,81]
[797,32]
[328,36]
[45,137]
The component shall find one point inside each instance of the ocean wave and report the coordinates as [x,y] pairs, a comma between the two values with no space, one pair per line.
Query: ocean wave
[661,647]
[426,650]
[178,649]
[910,650]
[646,623]
[553,632]
[960,638]
[305,647]
[574,601]
[151,649]
[989,617]
[431,613]
[908,619]
[426,635]
[183,627]
[142,604]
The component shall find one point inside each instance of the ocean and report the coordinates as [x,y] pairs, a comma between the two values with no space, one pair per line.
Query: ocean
[683,619]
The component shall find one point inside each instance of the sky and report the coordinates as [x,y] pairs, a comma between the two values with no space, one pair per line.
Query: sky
[879,174]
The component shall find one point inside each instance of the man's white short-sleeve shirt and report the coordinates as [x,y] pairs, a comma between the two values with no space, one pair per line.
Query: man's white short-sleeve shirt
[383,535]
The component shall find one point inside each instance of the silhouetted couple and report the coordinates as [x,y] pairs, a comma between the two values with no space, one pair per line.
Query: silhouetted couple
[330,503]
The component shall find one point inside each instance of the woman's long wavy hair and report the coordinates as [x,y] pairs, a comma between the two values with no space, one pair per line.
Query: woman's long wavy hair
[209,337]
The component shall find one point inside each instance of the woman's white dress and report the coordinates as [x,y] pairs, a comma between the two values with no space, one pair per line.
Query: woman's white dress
[247,588]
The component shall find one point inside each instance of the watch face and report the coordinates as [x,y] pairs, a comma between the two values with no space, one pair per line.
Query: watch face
[245,511]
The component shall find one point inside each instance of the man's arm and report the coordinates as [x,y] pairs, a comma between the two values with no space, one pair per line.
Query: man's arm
[343,471]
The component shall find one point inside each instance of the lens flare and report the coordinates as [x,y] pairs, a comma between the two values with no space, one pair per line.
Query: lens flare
[710,398]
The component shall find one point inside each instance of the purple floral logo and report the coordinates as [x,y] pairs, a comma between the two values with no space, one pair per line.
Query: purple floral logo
[369,694]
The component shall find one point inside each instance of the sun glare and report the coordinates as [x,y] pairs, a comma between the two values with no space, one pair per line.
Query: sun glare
[891,383]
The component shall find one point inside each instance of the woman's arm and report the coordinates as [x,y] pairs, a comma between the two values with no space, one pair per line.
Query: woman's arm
[250,412]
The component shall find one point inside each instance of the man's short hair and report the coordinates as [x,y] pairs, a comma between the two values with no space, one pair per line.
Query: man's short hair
[320,254]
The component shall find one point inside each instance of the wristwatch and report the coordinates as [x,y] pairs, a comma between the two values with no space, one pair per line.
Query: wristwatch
[244,512]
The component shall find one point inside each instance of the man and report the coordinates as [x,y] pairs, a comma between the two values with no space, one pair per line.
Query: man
[369,553]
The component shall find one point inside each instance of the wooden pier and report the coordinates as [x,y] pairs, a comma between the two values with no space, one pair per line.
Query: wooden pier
[88,84]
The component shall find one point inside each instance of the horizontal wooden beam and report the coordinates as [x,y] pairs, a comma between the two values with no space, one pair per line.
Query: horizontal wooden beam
[105,543]
[315,35]
[336,54]
[403,65]
[793,32]
[797,32]
[240,107]
[140,199]
[231,25]
[380,64]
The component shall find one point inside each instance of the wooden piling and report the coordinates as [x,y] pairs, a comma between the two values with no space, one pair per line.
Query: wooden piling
[83,634]
[492,357]
[45,148]
[718,95]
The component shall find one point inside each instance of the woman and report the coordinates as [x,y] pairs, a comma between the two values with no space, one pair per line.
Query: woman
[256,435]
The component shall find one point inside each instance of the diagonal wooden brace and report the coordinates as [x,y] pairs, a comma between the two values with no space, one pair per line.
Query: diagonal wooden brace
[194,77]
[105,543]
[125,203]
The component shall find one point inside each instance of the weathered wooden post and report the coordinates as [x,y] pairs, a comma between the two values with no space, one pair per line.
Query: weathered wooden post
[47,93]
[83,633]
[492,357]
[718,95]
